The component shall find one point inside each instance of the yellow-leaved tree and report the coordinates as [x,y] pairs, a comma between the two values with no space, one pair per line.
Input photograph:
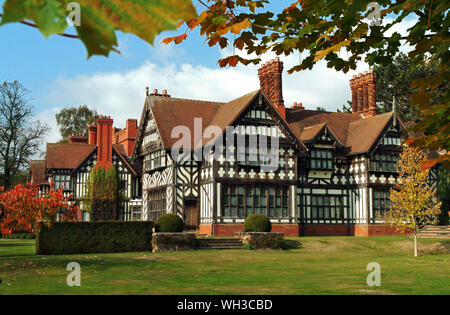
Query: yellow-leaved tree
[413,201]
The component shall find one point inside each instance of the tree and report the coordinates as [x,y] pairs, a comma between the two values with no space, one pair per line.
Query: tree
[74,120]
[413,201]
[394,80]
[21,135]
[23,206]
[346,108]
[323,28]
[444,195]
[104,194]
[98,20]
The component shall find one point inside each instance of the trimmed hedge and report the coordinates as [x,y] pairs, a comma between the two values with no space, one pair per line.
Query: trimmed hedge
[169,223]
[93,237]
[22,236]
[257,223]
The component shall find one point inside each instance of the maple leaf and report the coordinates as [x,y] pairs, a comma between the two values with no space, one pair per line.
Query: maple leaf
[99,19]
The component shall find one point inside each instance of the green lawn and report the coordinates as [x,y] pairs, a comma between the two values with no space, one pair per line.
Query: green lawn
[319,265]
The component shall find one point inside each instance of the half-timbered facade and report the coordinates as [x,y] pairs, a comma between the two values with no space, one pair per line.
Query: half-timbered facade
[333,170]
[216,163]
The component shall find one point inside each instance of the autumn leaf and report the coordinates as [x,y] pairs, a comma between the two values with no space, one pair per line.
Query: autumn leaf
[322,53]
[101,18]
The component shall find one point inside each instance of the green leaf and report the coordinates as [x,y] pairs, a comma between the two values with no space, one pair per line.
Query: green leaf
[101,18]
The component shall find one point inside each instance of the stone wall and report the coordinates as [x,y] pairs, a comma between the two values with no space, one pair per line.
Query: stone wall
[262,240]
[164,242]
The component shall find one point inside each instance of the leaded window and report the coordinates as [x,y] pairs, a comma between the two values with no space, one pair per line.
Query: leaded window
[321,159]
[62,180]
[381,202]
[327,207]
[384,162]
[157,200]
[155,160]
[244,200]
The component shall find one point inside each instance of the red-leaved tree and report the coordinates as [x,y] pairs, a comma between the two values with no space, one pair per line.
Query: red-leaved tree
[23,206]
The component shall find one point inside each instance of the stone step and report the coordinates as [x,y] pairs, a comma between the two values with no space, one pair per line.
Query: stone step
[218,243]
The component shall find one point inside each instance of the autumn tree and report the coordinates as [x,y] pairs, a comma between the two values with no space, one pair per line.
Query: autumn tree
[74,120]
[23,206]
[21,135]
[413,201]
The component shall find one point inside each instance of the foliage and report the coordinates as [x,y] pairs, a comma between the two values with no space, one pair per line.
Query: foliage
[346,108]
[444,195]
[257,223]
[394,80]
[104,194]
[22,236]
[413,201]
[169,222]
[100,19]
[24,207]
[94,237]
[322,29]
[74,120]
[248,246]
[21,135]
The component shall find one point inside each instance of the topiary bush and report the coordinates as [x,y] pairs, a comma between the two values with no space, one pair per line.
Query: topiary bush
[257,223]
[169,222]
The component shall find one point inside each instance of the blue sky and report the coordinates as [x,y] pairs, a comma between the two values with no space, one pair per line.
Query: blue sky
[58,74]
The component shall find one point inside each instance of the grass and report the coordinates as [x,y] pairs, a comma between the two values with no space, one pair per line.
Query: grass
[312,265]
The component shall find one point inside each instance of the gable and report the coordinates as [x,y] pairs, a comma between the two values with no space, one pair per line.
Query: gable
[148,138]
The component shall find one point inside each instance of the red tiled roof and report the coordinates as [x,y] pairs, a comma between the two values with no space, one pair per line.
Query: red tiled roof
[338,123]
[171,112]
[67,156]
[37,168]
[362,134]
[356,132]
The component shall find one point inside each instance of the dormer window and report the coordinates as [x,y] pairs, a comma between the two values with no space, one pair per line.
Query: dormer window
[321,159]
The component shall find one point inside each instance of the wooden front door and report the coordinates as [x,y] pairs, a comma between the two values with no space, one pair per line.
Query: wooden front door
[191,215]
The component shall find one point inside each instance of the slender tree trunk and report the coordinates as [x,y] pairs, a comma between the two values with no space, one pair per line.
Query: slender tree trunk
[415,243]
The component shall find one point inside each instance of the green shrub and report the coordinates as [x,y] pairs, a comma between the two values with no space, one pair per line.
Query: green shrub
[248,246]
[93,237]
[257,223]
[104,194]
[169,222]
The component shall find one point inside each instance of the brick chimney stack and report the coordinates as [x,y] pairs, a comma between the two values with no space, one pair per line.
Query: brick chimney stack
[78,138]
[270,80]
[363,94]
[104,141]
[92,129]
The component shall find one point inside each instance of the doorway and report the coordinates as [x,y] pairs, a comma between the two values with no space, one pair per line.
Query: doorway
[191,215]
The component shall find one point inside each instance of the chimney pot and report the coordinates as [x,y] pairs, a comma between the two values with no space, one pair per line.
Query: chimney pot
[295,104]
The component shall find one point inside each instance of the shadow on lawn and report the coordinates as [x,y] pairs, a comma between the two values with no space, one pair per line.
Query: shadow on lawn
[292,244]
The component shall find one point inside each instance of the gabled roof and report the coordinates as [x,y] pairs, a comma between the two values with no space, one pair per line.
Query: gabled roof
[135,168]
[357,133]
[67,156]
[37,168]
[170,113]
[338,123]
[363,134]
